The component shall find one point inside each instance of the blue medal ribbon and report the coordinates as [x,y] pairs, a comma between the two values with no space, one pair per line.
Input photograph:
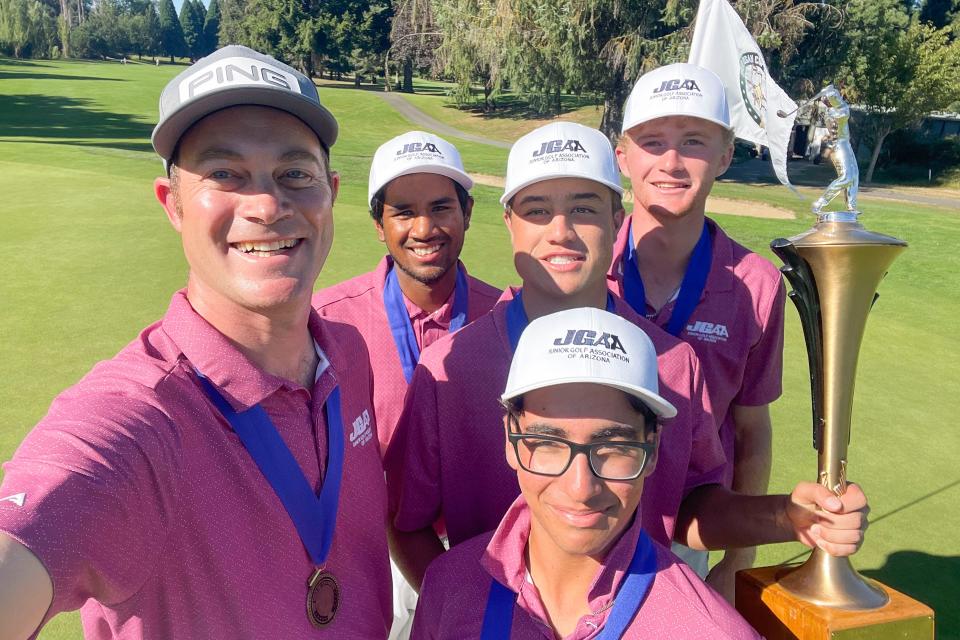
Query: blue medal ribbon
[498,615]
[691,287]
[517,317]
[315,517]
[402,328]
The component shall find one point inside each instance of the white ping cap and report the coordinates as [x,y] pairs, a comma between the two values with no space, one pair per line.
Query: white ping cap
[560,150]
[677,90]
[587,345]
[415,152]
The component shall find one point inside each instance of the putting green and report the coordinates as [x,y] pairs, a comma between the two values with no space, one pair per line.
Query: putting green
[91,260]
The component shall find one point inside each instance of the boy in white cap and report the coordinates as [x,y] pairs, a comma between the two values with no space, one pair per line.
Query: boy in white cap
[562,209]
[570,557]
[680,270]
[420,204]
[217,478]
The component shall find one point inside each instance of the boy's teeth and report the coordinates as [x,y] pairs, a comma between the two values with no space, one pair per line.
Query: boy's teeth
[425,251]
[561,259]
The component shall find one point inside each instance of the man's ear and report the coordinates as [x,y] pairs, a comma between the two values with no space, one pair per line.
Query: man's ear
[508,448]
[508,220]
[622,160]
[618,217]
[379,226]
[334,186]
[167,200]
[725,161]
[467,212]
[653,438]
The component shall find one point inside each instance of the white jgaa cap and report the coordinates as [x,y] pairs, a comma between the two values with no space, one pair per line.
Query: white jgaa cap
[587,345]
[415,152]
[677,90]
[235,76]
[560,150]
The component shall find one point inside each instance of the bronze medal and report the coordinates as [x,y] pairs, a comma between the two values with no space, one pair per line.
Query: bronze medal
[323,598]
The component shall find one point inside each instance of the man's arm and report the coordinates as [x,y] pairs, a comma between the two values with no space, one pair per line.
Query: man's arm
[752,449]
[413,551]
[713,517]
[753,452]
[25,590]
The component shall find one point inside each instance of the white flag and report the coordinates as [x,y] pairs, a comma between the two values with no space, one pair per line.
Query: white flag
[722,43]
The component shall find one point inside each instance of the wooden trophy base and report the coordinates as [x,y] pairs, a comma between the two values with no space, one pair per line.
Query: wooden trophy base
[779,615]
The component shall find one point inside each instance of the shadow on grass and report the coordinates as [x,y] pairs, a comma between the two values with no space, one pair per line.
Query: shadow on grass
[14,62]
[44,116]
[933,580]
[801,172]
[517,107]
[18,75]
[116,145]
[347,84]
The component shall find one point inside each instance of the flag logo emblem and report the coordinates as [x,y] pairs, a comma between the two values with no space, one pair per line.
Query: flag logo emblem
[752,75]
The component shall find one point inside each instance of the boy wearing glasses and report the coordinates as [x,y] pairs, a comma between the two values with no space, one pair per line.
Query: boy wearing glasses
[570,559]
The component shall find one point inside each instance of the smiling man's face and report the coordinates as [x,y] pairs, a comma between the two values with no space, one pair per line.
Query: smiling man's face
[672,163]
[253,205]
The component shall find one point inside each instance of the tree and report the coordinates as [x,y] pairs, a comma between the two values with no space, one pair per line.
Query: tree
[542,48]
[211,28]
[151,37]
[897,69]
[27,28]
[192,26]
[171,32]
[201,11]
[414,40]
[231,22]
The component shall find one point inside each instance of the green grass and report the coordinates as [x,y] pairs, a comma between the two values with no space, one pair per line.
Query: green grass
[91,260]
[510,120]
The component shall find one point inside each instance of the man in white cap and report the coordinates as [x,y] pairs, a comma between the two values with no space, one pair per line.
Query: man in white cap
[562,208]
[679,269]
[420,204]
[216,478]
[570,557]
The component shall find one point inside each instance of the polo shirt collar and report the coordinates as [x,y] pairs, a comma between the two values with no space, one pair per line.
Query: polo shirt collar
[208,351]
[441,316]
[504,558]
[720,278]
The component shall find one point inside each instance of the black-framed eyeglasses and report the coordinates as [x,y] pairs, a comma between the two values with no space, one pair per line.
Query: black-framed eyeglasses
[546,455]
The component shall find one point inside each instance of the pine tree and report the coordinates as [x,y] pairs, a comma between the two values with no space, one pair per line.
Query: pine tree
[211,28]
[192,29]
[171,32]
[152,35]
[201,11]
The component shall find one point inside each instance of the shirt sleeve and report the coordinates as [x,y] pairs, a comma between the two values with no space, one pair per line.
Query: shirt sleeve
[412,460]
[98,485]
[763,372]
[707,460]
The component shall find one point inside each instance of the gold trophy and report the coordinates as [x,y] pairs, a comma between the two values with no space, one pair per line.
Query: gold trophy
[834,270]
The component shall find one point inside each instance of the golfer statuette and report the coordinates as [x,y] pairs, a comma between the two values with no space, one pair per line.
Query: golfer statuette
[834,270]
